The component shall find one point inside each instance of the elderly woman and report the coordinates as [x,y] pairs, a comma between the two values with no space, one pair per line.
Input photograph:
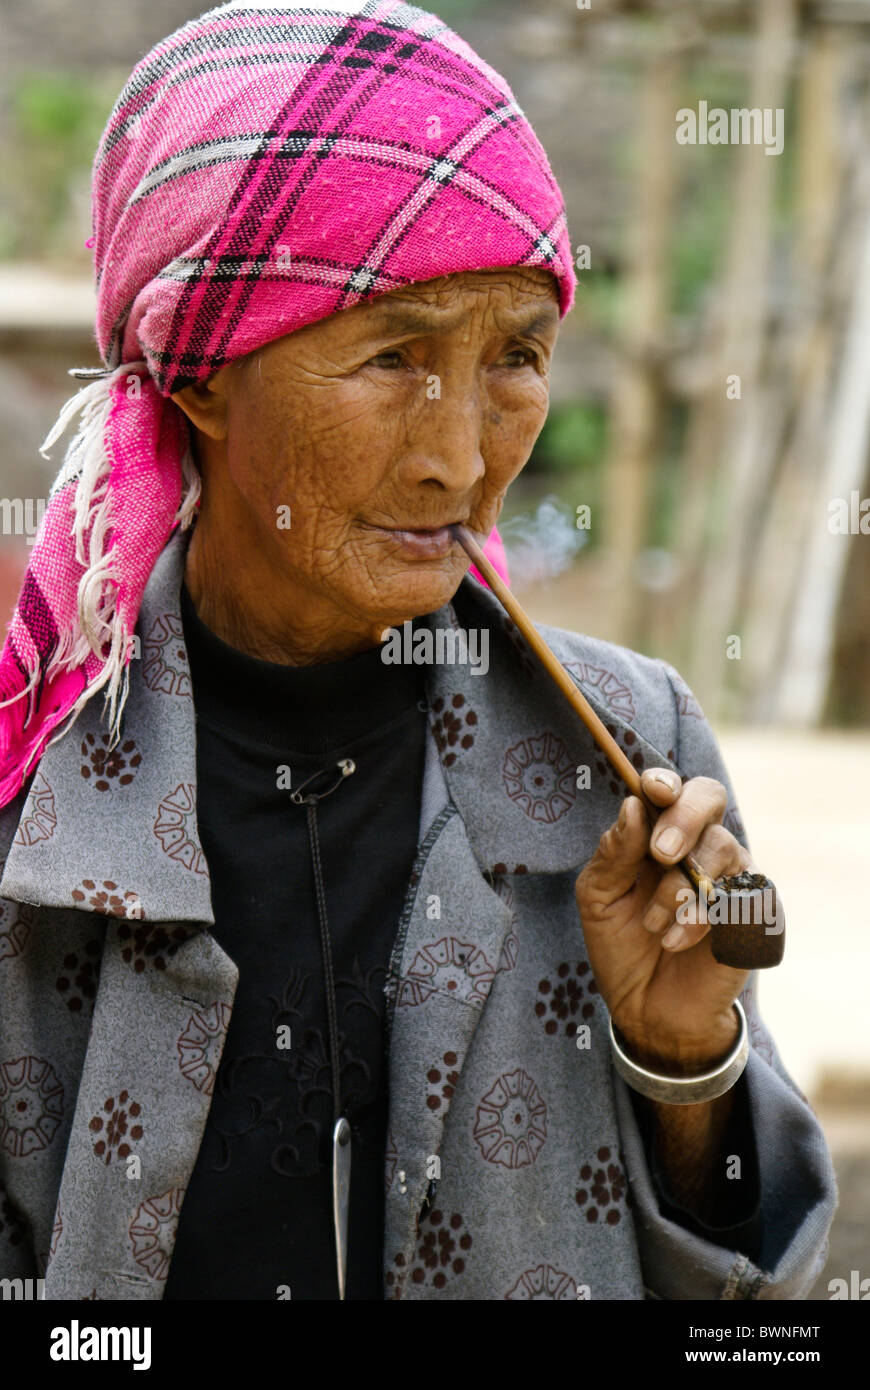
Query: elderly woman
[309,957]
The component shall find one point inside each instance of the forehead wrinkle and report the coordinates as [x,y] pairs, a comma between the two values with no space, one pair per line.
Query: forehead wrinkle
[396,320]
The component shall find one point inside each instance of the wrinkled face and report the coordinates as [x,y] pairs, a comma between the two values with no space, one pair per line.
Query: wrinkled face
[378,427]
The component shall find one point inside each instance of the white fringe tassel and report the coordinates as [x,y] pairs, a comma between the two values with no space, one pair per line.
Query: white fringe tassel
[98,621]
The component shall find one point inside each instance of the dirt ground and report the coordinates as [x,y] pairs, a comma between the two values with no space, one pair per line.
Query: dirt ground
[803,799]
[847,1129]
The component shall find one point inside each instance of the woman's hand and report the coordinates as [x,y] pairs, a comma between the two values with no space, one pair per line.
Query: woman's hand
[667,995]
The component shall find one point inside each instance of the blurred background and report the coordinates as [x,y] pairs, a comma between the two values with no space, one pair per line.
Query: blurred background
[696,491]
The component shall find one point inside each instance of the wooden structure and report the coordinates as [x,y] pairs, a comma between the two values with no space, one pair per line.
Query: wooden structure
[771,375]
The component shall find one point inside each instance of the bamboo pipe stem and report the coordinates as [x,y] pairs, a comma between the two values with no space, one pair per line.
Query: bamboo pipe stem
[690,866]
[734,944]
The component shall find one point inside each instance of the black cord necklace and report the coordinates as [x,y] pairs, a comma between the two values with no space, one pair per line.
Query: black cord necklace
[341,1138]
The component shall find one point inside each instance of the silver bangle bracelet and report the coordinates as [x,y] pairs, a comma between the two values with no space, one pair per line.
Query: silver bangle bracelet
[685,1090]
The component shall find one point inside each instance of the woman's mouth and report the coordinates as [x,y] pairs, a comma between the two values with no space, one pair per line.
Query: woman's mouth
[431,543]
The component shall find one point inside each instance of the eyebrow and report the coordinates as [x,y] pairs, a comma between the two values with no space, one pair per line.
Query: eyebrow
[424,321]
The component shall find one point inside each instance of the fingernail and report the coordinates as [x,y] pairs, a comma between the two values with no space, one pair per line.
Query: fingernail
[667,779]
[674,938]
[623,812]
[670,841]
[656,918]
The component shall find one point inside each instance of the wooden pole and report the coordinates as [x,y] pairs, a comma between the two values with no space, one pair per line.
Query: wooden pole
[806,670]
[636,400]
[824,236]
[733,475]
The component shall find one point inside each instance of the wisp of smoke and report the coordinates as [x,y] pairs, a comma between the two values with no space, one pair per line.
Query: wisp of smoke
[541,546]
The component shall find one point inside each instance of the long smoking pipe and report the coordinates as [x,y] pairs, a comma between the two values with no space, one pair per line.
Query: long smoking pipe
[737,906]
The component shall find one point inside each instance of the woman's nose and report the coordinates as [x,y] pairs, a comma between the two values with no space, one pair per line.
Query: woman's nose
[445,443]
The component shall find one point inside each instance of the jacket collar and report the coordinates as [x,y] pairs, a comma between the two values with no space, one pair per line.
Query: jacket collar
[520,766]
[87,817]
[512,755]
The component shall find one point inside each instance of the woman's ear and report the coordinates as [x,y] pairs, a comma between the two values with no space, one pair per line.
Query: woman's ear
[206,405]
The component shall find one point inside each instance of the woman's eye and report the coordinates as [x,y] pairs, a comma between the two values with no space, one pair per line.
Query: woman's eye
[380,359]
[525,353]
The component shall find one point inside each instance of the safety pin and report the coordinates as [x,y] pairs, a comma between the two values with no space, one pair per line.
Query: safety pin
[347,766]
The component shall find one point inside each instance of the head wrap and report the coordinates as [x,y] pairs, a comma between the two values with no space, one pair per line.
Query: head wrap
[263,168]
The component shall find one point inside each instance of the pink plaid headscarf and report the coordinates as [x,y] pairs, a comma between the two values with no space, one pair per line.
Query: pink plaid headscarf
[262,169]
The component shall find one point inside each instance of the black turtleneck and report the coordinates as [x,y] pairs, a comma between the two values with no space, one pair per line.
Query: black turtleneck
[257,1217]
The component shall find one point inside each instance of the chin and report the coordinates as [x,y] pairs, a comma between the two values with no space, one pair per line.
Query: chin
[422,589]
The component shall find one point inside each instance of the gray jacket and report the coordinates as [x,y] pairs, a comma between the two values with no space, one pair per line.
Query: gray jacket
[115,999]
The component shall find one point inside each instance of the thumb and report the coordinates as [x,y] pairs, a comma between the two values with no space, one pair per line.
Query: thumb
[613,869]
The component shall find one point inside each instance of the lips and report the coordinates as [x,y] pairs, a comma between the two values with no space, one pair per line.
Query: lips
[422,542]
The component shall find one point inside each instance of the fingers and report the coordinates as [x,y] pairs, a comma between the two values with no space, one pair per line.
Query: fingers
[672,909]
[661,785]
[700,802]
[689,820]
[613,869]
[715,851]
